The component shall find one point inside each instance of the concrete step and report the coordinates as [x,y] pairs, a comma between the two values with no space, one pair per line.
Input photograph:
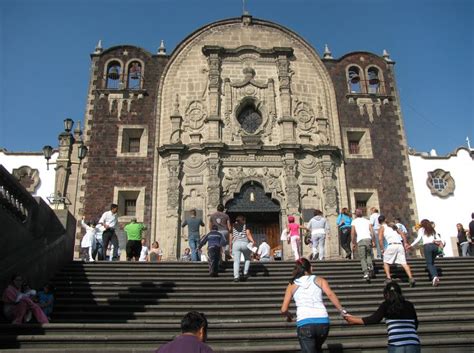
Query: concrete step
[135,307]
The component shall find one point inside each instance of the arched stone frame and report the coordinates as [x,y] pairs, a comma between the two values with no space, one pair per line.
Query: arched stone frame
[446,178]
[126,69]
[381,86]
[106,71]
[256,178]
[363,88]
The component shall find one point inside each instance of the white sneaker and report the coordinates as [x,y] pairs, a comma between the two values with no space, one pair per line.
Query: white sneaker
[435,281]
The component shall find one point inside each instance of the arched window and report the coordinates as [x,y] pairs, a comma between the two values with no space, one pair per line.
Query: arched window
[114,73]
[373,83]
[134,80]
[353,79]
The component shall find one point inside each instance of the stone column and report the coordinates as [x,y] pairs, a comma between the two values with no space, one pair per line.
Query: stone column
[292,197]
[286,121]
[213,120]
[213,182]
[327,168]
[63,168]
[173,165]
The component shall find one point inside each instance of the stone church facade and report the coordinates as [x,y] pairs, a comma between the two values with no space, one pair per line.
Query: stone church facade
[244,112]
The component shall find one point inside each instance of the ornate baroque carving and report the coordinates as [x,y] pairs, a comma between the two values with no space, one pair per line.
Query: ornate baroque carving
[327,169]
[173,166]
[195,116]
[213,183]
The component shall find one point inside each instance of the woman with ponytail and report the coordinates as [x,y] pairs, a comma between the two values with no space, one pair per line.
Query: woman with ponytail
[431,242]
[312,320]
[400,317]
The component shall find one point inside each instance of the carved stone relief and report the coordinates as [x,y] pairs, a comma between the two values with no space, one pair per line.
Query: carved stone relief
[173,166]
[213,182]
[304,115]
[28,177]
[310,198]
[271,177]
[195,116]
[327,169]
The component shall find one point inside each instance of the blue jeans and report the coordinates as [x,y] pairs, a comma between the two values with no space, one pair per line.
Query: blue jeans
[98,249]
[312,337]
[404,349]
[431,250]
[193,244]
[238,248]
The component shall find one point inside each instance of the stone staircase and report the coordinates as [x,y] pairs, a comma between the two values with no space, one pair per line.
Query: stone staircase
[135,307]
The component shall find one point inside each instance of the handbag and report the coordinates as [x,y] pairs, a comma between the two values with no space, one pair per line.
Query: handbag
[284,235]
[307,238]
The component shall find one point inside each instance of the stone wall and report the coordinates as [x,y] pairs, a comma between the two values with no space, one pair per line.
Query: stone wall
[35,240]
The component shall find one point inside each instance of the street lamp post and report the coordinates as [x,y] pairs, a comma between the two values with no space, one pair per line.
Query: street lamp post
[64,162]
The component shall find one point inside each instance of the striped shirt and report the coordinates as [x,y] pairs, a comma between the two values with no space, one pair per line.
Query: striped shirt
[401,327]
[239,232]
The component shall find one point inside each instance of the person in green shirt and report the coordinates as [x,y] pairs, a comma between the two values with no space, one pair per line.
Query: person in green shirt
[134,239]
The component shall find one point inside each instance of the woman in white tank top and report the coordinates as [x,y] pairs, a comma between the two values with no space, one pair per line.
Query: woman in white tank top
[312,319]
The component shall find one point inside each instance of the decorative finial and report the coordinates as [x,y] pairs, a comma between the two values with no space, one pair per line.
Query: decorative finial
[98,47]
[162,49]
[77,131]
[244,11]
[327,53]
[386,56]
[176,105]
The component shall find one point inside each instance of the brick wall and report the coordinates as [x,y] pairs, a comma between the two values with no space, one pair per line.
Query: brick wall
[387,171]
[106,170]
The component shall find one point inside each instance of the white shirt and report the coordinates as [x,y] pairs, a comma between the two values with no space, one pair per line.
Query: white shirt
[362,228]
[143,254]
[374,220]
[390,235]
[308,298]
[427,239]
[264,250]
[109,219]
[89,237]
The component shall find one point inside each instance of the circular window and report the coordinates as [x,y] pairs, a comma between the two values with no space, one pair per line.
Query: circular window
[250,119]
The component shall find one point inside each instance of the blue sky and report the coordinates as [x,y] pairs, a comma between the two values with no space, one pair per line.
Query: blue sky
[45,47]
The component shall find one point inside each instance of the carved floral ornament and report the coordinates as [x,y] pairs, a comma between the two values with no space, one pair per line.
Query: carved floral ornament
[440,183]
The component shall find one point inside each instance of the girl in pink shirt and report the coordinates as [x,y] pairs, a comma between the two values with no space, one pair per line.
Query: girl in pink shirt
[294,233]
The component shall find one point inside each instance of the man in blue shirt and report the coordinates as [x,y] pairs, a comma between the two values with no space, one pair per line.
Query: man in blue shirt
[215,242]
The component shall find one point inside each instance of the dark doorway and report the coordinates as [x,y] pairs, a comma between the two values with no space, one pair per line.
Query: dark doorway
[260,210]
